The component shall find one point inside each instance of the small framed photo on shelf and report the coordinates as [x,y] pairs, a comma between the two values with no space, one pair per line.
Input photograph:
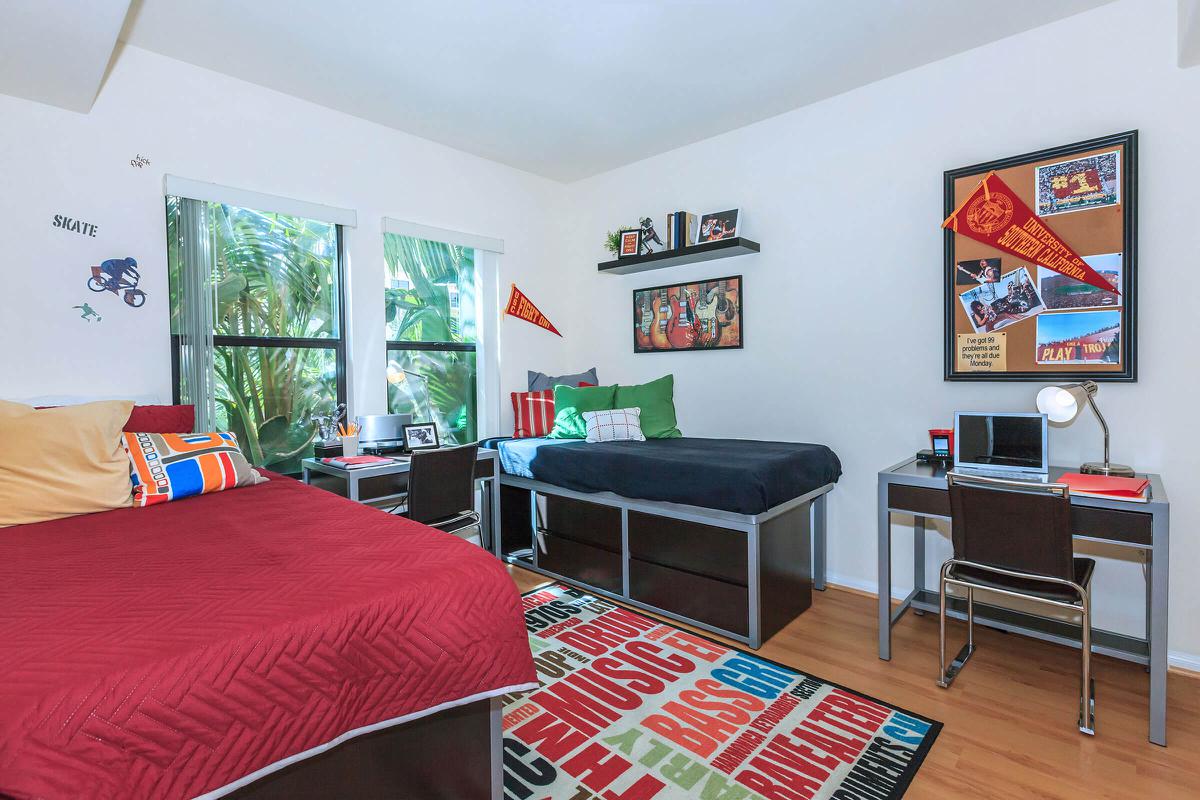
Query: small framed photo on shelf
[421,436]
[631,243]
[717,225]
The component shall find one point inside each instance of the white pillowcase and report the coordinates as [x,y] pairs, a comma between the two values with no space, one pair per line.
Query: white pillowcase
[617,425]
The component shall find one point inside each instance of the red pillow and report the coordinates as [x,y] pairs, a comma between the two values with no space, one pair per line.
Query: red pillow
[162,419]
[533,413]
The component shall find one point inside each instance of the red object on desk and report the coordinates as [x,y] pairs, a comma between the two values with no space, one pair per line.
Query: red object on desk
[355,461]
[1135,489]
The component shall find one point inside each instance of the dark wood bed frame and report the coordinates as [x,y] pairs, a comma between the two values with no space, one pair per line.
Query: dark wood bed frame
[455,754]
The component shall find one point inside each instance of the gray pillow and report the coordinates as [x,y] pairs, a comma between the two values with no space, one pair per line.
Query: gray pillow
[540,381]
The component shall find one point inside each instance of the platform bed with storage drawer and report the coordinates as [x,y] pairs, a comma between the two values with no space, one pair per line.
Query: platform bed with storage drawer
[741,575]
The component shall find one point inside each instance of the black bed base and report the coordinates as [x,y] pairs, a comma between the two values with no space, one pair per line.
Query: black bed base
[741,576]
[454,754]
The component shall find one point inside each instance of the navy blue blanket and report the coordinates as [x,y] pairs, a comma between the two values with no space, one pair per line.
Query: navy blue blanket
[739,475]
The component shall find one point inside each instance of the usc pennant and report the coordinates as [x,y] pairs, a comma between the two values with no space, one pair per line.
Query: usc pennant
[522,307]
[994,215]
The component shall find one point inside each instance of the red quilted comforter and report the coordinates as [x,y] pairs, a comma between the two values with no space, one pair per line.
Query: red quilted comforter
[168,651]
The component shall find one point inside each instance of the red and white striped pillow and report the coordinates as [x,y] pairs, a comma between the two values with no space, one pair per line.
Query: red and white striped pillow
[533,413]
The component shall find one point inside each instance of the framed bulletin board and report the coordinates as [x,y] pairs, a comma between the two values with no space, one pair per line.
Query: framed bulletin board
[1040,265]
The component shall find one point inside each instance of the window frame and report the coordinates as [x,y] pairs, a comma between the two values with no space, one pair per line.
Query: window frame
[338,345]
[394,345]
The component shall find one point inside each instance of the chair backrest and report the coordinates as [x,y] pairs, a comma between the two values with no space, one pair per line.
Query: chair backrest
[441,483]
[1013,525]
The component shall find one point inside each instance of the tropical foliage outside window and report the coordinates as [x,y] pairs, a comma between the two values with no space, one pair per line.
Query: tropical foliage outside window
[431,320]
[278,348]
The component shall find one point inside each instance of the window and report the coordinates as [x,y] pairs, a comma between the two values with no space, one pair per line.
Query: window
[430,290]
[271,295]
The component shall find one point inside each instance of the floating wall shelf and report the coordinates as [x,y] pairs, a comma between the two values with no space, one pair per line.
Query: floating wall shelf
[722,248]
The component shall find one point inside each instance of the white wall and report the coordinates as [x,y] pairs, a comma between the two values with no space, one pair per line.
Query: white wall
[844,304]
[198,124]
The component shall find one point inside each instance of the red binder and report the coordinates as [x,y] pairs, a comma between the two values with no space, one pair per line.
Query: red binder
[350,462]
[1136,490]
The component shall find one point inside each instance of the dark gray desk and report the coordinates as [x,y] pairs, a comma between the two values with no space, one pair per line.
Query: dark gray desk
[920,489]
[487,472]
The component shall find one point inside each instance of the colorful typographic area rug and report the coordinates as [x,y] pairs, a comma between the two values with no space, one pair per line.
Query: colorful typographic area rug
[631,708]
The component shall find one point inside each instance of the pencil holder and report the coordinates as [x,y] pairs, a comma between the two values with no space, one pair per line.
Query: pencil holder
[350,445]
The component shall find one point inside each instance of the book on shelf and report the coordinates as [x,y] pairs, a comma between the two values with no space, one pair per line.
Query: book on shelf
[681,230]
[1108,487]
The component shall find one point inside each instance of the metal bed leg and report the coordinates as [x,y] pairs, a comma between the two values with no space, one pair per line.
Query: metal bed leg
[818,534]
[752,586]
[625,552]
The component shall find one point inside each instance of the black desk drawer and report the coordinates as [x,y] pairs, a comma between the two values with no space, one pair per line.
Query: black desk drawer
[704,549]
[368,488]
[485,468]
[1099,523]
[919,500]
[582,562]
[724,605]
[1107,523]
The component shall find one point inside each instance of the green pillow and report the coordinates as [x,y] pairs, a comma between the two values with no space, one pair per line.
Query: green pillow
[569,404]
[656,399]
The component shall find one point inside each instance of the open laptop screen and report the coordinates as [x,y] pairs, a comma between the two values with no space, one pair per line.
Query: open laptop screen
[1006,442]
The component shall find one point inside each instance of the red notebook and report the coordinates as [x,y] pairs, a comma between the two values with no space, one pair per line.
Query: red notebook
[1136,490]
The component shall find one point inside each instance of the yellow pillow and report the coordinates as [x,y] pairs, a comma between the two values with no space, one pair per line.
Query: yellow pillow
[58,462]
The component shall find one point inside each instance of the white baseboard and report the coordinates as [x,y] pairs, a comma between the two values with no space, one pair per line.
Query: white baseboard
[1189,662]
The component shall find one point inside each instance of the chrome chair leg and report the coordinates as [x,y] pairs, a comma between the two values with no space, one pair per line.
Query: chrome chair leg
[1087,686]
[946,674]
[942,681]
[971,617]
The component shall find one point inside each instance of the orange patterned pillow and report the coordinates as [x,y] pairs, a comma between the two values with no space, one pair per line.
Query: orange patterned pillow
[171,466]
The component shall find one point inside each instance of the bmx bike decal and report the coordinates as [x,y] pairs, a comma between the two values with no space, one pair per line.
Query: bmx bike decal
[119,276]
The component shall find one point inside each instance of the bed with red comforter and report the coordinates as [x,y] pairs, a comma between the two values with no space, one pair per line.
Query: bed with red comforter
[172,651]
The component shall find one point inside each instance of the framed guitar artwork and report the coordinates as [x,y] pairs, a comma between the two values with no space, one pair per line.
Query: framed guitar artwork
[690,316]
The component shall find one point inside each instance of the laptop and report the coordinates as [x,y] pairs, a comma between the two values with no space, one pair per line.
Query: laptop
[382,433]
[1001,445]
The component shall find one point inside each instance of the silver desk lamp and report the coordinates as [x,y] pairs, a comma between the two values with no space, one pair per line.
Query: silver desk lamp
[1062,404]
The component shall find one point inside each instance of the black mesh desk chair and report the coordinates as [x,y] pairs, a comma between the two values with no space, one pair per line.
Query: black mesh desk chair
[441,488]
[1014,538]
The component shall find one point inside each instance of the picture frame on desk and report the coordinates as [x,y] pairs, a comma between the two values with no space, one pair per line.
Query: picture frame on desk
[420,436]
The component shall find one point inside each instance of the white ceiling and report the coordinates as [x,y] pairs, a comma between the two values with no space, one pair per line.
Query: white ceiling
[56,51]
[569,88]
[562,88]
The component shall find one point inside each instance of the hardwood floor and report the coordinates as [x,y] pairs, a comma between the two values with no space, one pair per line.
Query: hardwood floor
[1010,715]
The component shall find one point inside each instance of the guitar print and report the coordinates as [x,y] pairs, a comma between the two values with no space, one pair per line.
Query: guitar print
[706,316]
[663,322]
[729,317]
[683,334]
[643,320]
